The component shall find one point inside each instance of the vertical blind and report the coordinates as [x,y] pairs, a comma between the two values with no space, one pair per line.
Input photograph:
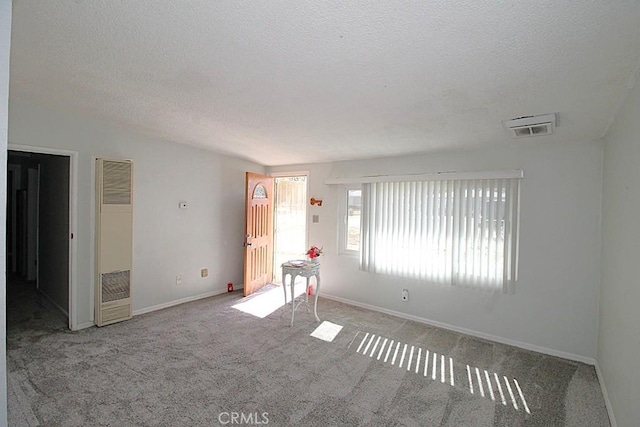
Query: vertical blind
[457,232]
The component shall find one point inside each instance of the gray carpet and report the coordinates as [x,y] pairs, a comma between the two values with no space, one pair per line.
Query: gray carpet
[202,363]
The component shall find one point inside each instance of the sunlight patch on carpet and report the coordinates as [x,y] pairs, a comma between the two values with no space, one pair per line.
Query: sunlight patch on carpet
[264,303]
[327,331]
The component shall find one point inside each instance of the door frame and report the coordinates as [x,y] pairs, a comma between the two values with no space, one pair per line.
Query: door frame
[73,219]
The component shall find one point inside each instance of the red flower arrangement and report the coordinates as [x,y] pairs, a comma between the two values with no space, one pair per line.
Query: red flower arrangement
[314,252]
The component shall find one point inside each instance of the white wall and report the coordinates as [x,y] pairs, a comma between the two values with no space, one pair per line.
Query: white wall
[5,43]
[619,342]
[167,241]
[555,306]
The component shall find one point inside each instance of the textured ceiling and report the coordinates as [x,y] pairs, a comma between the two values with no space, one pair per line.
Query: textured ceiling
[284,82]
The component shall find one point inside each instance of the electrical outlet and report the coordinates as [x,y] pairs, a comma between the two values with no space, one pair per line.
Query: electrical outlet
[178,280]
[204,272]
[405,295]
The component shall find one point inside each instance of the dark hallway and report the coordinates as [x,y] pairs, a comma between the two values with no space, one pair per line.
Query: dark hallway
[37,232]
[29,314]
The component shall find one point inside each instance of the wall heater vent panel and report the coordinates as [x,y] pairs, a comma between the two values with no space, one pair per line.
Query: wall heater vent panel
[116,314]
[116,286]
[116,183]
[114,240]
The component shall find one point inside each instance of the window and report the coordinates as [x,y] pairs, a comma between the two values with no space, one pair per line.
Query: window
[458,232]
[350,230]
[354,210]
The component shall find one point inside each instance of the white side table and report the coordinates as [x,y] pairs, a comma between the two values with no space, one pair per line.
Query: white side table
[307,269]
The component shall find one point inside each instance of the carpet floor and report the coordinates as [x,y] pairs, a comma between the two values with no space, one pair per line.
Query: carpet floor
[208,363]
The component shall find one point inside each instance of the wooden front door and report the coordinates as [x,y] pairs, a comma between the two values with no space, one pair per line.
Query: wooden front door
[258,243]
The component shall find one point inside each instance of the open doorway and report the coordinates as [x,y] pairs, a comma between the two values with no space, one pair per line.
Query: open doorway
[290,220]
[38,239]
[276,218]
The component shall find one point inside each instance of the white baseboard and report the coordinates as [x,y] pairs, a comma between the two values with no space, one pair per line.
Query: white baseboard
[178,302]
[605,394]
[514,343]
[163,305]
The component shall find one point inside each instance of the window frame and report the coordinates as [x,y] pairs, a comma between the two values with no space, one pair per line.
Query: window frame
[343,230]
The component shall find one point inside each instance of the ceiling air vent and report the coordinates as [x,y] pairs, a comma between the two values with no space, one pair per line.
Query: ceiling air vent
[523,127]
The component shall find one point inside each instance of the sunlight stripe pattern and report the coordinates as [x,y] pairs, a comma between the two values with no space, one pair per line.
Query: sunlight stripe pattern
[480,382]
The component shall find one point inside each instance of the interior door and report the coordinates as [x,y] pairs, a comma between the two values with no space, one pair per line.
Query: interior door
[258,243]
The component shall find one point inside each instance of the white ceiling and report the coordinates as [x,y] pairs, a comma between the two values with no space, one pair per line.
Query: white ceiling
[285,82]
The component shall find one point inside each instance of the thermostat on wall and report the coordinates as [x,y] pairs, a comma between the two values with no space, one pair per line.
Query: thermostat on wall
[182,205]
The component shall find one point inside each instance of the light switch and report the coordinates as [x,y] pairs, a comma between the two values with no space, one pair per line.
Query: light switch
[315,218]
